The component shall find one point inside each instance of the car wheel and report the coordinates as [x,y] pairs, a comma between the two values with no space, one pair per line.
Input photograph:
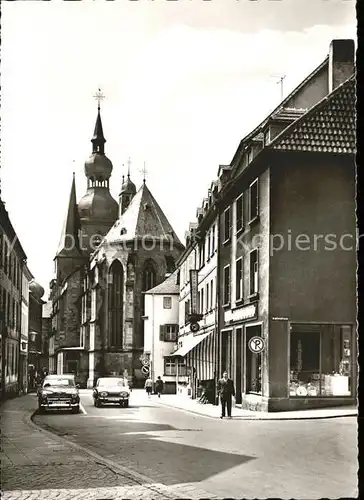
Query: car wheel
[76,409]
[126,403]
[97,403]
[41,409]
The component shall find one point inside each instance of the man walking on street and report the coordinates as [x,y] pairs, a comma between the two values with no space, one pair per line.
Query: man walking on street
[226,390]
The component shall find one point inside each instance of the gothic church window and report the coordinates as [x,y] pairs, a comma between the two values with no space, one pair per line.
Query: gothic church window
[149,277]
[116,302]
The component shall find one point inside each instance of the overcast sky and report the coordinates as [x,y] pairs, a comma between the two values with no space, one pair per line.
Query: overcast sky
[184,81]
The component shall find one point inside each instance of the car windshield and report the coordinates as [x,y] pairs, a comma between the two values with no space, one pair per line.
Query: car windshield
[59,382]
[108,382]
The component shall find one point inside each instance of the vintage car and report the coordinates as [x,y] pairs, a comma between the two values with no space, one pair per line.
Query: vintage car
[59,392]
[111,390]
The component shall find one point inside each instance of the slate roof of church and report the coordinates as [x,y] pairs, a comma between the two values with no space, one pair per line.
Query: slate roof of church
[69,244]
[142,217]
[168,287]
[328,127]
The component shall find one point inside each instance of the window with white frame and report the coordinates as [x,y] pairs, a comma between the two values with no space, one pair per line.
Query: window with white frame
[254,272]
[254,200]
[187,311]
[167,302]
[202,304]
[226,296]
[208,245]
[207,298]
[227,224]
[171,364]
[239,279]
[168,333]
[212,305]
[239,213]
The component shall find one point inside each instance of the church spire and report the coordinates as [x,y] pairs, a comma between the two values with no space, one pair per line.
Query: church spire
[98,140]
[69,243]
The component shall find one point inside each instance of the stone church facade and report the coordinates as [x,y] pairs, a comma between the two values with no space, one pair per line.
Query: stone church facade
[110,253]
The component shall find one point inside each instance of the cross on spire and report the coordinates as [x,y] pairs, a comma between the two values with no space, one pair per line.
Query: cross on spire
[99,96]
[129,163]
[144,171]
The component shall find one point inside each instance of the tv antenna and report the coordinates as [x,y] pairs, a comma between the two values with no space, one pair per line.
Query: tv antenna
[280,79]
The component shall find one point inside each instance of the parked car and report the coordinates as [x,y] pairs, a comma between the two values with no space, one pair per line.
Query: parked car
[59,392]
[111,390]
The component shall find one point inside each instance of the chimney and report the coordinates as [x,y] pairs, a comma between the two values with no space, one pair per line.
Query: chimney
[341,62]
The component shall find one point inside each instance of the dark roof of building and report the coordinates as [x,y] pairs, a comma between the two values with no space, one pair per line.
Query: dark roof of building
[69,244]
[328,127]
[143,218]
[168,287]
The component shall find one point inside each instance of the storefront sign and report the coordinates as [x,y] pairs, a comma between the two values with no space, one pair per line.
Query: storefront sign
[242,314]
[256,345]
[194,290]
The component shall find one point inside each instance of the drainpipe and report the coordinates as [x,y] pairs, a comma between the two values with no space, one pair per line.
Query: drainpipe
[217,306]
[152,353]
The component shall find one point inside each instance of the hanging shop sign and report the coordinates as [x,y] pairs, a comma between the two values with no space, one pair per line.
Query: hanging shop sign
[256,345]
[194,290]
[194,327]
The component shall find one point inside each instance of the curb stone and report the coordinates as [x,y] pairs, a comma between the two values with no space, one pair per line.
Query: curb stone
[239,417]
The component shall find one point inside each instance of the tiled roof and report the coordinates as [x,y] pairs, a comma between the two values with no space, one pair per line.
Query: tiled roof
[168,287]
[142,218]
[328,127]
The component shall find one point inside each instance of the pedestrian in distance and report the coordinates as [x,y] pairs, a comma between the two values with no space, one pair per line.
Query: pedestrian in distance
[226,391]
[148,386]
[159,386]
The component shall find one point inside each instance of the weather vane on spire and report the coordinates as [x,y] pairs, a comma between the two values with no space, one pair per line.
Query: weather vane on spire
[144,171]
[99,96]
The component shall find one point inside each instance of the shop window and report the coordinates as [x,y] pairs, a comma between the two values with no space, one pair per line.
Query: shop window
[320,360]
[253,363]
[226,351]
[253,200]
[227,225]
[167,302]
[226,297]
[239,213]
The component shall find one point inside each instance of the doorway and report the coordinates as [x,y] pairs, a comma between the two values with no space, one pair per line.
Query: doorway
[239,368]
[253,363]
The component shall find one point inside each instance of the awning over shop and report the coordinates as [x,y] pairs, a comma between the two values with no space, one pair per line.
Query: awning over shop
[190,342]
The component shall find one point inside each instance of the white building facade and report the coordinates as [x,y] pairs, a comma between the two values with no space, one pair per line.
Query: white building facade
[161,334]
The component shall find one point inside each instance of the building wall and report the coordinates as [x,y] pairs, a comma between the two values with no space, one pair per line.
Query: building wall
[314,197]
[310,281]
[11,309]
[158,316]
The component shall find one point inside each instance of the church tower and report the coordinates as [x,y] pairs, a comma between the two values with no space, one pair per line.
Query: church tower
[127,192]
[97,209]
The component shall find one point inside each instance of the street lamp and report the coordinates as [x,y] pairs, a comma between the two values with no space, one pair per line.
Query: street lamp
[32,336]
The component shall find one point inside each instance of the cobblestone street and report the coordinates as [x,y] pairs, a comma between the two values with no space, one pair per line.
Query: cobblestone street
[152,451]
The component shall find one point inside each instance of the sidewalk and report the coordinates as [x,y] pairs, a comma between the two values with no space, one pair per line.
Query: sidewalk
[38,465]
[211,411]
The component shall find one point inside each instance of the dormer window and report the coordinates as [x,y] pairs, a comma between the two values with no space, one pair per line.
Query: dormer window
[123,230]
[266,137]
[250,155]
